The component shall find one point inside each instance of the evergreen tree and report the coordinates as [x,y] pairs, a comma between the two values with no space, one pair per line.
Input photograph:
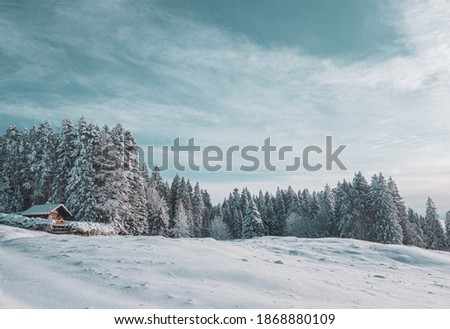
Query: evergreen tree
[407,228]
[235,220]
[65,158]
[291,200]
[280,214]
[210,213]
[186,197]
[252,225]
[327,225]
[25,178]
[198,212]
[83,200]
[218,229]
[417,235]
[158,211]
[2,180]
[174,195]
[387,227]
[137,212]
[447,228]
[11,191]
[344,209]
[42,162]
[271,220]
[434,232]
[357,222]
[159,183]
[180,228]
[112,194]
[179,225]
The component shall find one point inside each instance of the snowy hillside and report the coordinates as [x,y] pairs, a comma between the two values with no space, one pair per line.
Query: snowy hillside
[47,271]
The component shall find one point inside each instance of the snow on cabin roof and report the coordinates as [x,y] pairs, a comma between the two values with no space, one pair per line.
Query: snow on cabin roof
[43,209]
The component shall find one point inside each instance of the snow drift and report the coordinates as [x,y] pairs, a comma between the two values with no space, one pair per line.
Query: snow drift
[39,224]
[40,270]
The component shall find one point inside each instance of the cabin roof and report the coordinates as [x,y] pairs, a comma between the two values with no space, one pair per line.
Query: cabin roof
[44,209]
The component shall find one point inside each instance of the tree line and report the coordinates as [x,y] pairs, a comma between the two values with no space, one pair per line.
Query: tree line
[96,173]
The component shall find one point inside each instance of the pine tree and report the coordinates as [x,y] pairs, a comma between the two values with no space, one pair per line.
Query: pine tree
[236,217]
[179,225]
[434,232]
[447,228]
[417,235]
[210,213]
[218,229]
[65,158]
[198,212]
[180,228]
[344,209]
[271,223]
[137,223]
[2,180]
[43,162]
[84,195]
[280,214]
[387,227]
[158,211]
[159,183]
[291,200]
[252,225]
[11,191]
[186,198]
[357,223]
[407,229]
[327,225]
[226,214]
[174,194]
[25,178]
[111,191]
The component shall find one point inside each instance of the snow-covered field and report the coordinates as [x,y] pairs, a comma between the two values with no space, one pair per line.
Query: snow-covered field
[40,270]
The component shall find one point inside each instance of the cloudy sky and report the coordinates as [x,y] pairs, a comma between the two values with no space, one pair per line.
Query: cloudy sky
[372,74]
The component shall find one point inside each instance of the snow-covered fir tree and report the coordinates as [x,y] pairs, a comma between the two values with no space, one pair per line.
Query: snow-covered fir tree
[447,228]
[386,227]
[82,184]
[218,229]
[11,184]
[26,177]
[43,162]
[136,222]
[198,212]
[233,214]
[434,233]
[356,221]
[179,224]
[210,213]
[252,225]
[327,225]
[159,183]
[280,213]
[407,229]
[417,237]
[158,211]
[66,147]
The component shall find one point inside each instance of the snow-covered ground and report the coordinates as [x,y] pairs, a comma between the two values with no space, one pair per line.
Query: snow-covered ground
[41,270]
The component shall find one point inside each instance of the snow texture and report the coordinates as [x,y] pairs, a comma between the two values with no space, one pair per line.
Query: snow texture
[40,270]
[39,224]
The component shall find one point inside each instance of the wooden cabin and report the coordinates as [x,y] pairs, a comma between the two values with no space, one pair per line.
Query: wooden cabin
[58,212]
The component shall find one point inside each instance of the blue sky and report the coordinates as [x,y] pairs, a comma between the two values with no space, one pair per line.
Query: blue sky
[373,74]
